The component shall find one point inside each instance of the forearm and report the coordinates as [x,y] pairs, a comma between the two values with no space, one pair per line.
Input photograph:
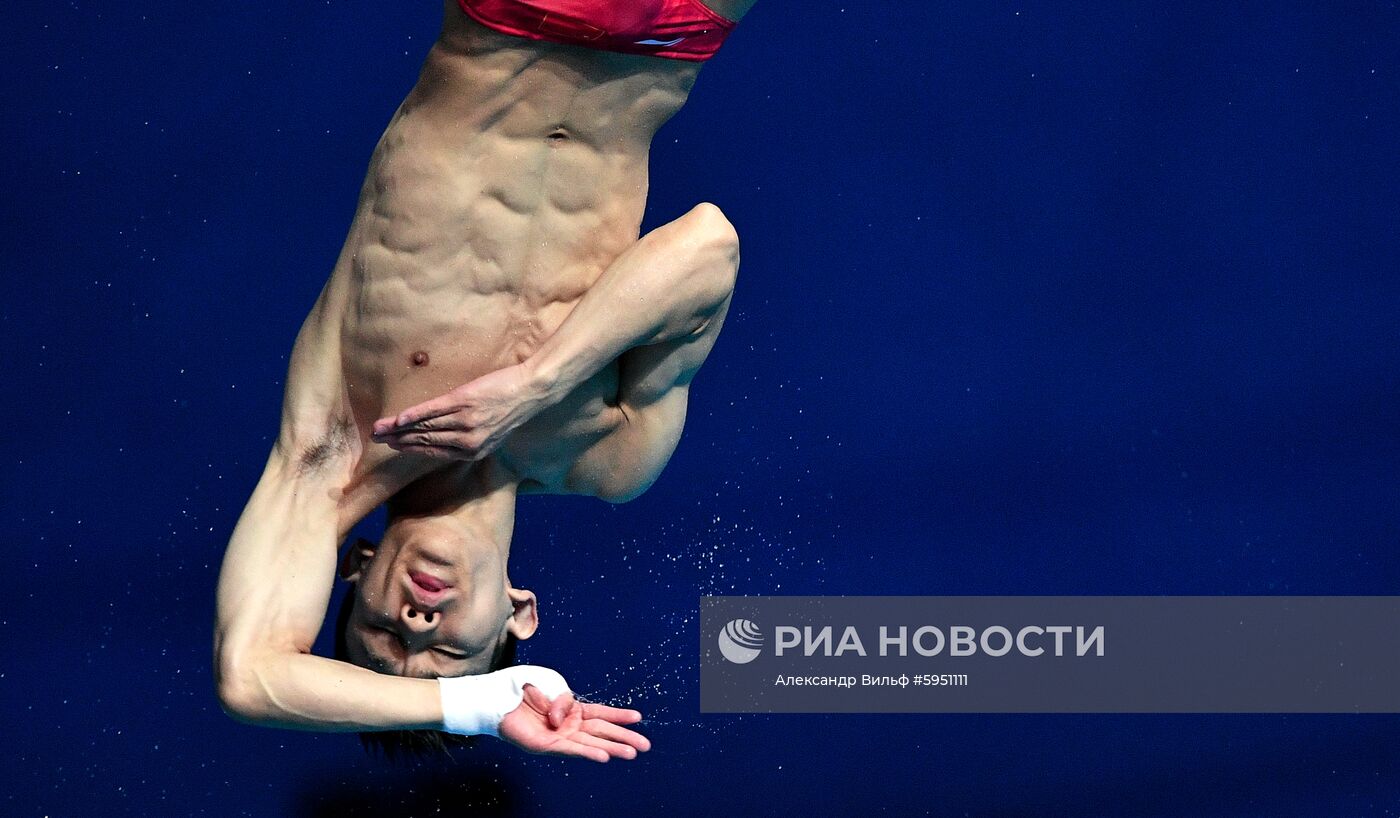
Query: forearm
[307,692]
[666,286]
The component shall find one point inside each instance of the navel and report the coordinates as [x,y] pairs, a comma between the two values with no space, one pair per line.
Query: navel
[419,358]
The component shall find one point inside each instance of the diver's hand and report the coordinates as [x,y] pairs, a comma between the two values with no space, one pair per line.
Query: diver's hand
[567,727]
[469,422]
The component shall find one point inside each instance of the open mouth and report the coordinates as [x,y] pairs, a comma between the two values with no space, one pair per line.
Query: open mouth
[428,582]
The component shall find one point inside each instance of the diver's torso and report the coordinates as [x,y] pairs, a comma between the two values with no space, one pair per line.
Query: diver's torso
[507,181]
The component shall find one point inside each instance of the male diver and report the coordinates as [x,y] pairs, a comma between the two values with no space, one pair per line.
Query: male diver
[493,326]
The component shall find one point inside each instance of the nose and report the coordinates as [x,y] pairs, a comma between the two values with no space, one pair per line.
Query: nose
[418,621]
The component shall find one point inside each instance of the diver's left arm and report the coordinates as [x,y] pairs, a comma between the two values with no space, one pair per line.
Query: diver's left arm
[665,288]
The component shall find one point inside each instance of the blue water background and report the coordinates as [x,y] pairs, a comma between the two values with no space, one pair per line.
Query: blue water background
[1040,298]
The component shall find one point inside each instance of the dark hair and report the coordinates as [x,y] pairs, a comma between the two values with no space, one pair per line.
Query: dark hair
[395,744]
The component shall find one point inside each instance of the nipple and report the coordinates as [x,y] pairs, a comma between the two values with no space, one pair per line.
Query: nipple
[420,358]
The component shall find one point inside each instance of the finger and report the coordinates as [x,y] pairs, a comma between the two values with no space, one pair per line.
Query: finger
[445,425]
[390,425]
[535,698]
[441,405]
[612,732]
[614,749]
[559,709]
[569,747]
[440,440]
[616,715]
[450,447]
[398,434]
[455,421]
[437,447]
[435,452]
[421,448]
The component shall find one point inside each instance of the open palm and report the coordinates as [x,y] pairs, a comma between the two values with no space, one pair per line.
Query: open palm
[567,727]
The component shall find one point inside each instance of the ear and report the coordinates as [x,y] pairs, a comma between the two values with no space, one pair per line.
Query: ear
[524,615]
[359,553]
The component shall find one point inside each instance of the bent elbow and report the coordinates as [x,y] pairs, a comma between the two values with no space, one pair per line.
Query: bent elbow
[238,702]
[239,695]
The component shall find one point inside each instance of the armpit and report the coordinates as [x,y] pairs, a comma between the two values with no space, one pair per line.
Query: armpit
[336,442]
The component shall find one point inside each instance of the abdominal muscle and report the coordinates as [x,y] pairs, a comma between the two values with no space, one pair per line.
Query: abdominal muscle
[508,180]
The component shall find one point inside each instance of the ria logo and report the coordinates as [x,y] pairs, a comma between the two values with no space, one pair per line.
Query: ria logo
[741,641]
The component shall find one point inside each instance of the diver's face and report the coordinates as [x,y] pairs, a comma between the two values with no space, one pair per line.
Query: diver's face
[430,602]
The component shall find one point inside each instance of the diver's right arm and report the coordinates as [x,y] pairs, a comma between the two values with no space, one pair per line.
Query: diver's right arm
[273,592]
[274,589]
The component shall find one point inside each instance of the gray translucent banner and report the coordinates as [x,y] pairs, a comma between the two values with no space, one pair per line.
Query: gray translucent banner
[1023,654]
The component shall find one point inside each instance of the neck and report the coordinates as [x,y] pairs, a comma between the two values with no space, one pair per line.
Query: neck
[480,496]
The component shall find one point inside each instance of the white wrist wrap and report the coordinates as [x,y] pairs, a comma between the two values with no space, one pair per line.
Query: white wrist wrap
[475,705]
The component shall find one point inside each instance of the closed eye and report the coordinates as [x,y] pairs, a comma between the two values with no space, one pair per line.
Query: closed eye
[399,640]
